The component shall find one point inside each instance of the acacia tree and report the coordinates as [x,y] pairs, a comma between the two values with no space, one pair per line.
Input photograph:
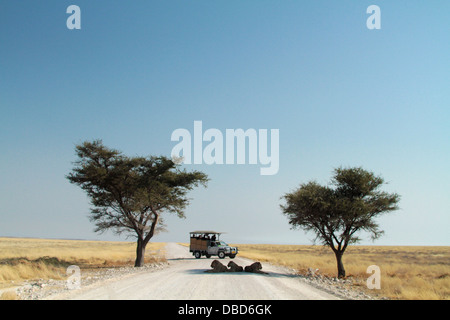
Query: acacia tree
[129,194]
[336,213]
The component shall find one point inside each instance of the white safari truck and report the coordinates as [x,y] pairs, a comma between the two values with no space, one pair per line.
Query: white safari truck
[207,243]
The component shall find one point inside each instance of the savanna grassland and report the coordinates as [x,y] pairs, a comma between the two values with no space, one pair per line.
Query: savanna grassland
[407,272]
[26,258]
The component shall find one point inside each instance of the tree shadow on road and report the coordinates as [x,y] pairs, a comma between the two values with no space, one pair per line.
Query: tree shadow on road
[176,259]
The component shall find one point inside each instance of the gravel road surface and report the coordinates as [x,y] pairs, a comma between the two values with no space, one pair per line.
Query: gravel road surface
[184,278]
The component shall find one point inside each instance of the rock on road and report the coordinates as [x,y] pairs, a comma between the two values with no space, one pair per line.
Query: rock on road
[185,278]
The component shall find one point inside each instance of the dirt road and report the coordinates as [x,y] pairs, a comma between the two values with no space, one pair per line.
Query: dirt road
[185,278]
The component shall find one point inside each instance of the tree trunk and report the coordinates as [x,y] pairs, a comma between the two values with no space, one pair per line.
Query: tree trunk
[140,253]
[142,242]
[340,265]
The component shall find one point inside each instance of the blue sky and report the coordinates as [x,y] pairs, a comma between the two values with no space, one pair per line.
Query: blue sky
[339,93]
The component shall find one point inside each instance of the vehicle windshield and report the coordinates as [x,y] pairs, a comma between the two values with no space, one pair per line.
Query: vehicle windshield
[222,243]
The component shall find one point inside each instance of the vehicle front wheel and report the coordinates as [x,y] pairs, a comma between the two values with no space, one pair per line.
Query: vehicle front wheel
[221,254]
[232,256]
[197,255]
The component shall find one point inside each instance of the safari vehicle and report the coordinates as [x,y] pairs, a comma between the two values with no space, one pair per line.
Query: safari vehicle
[207,243]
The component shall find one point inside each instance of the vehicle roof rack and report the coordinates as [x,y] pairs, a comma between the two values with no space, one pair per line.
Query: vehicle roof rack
[205,232]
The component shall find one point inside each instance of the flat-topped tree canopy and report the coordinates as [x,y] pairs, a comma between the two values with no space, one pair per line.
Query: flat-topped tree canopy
[129,194]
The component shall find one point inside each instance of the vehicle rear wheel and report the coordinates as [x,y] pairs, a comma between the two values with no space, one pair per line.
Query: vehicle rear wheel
[197,255]
[221,254]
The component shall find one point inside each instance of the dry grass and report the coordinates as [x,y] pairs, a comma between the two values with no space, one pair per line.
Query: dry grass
[25,259]
[409,273]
